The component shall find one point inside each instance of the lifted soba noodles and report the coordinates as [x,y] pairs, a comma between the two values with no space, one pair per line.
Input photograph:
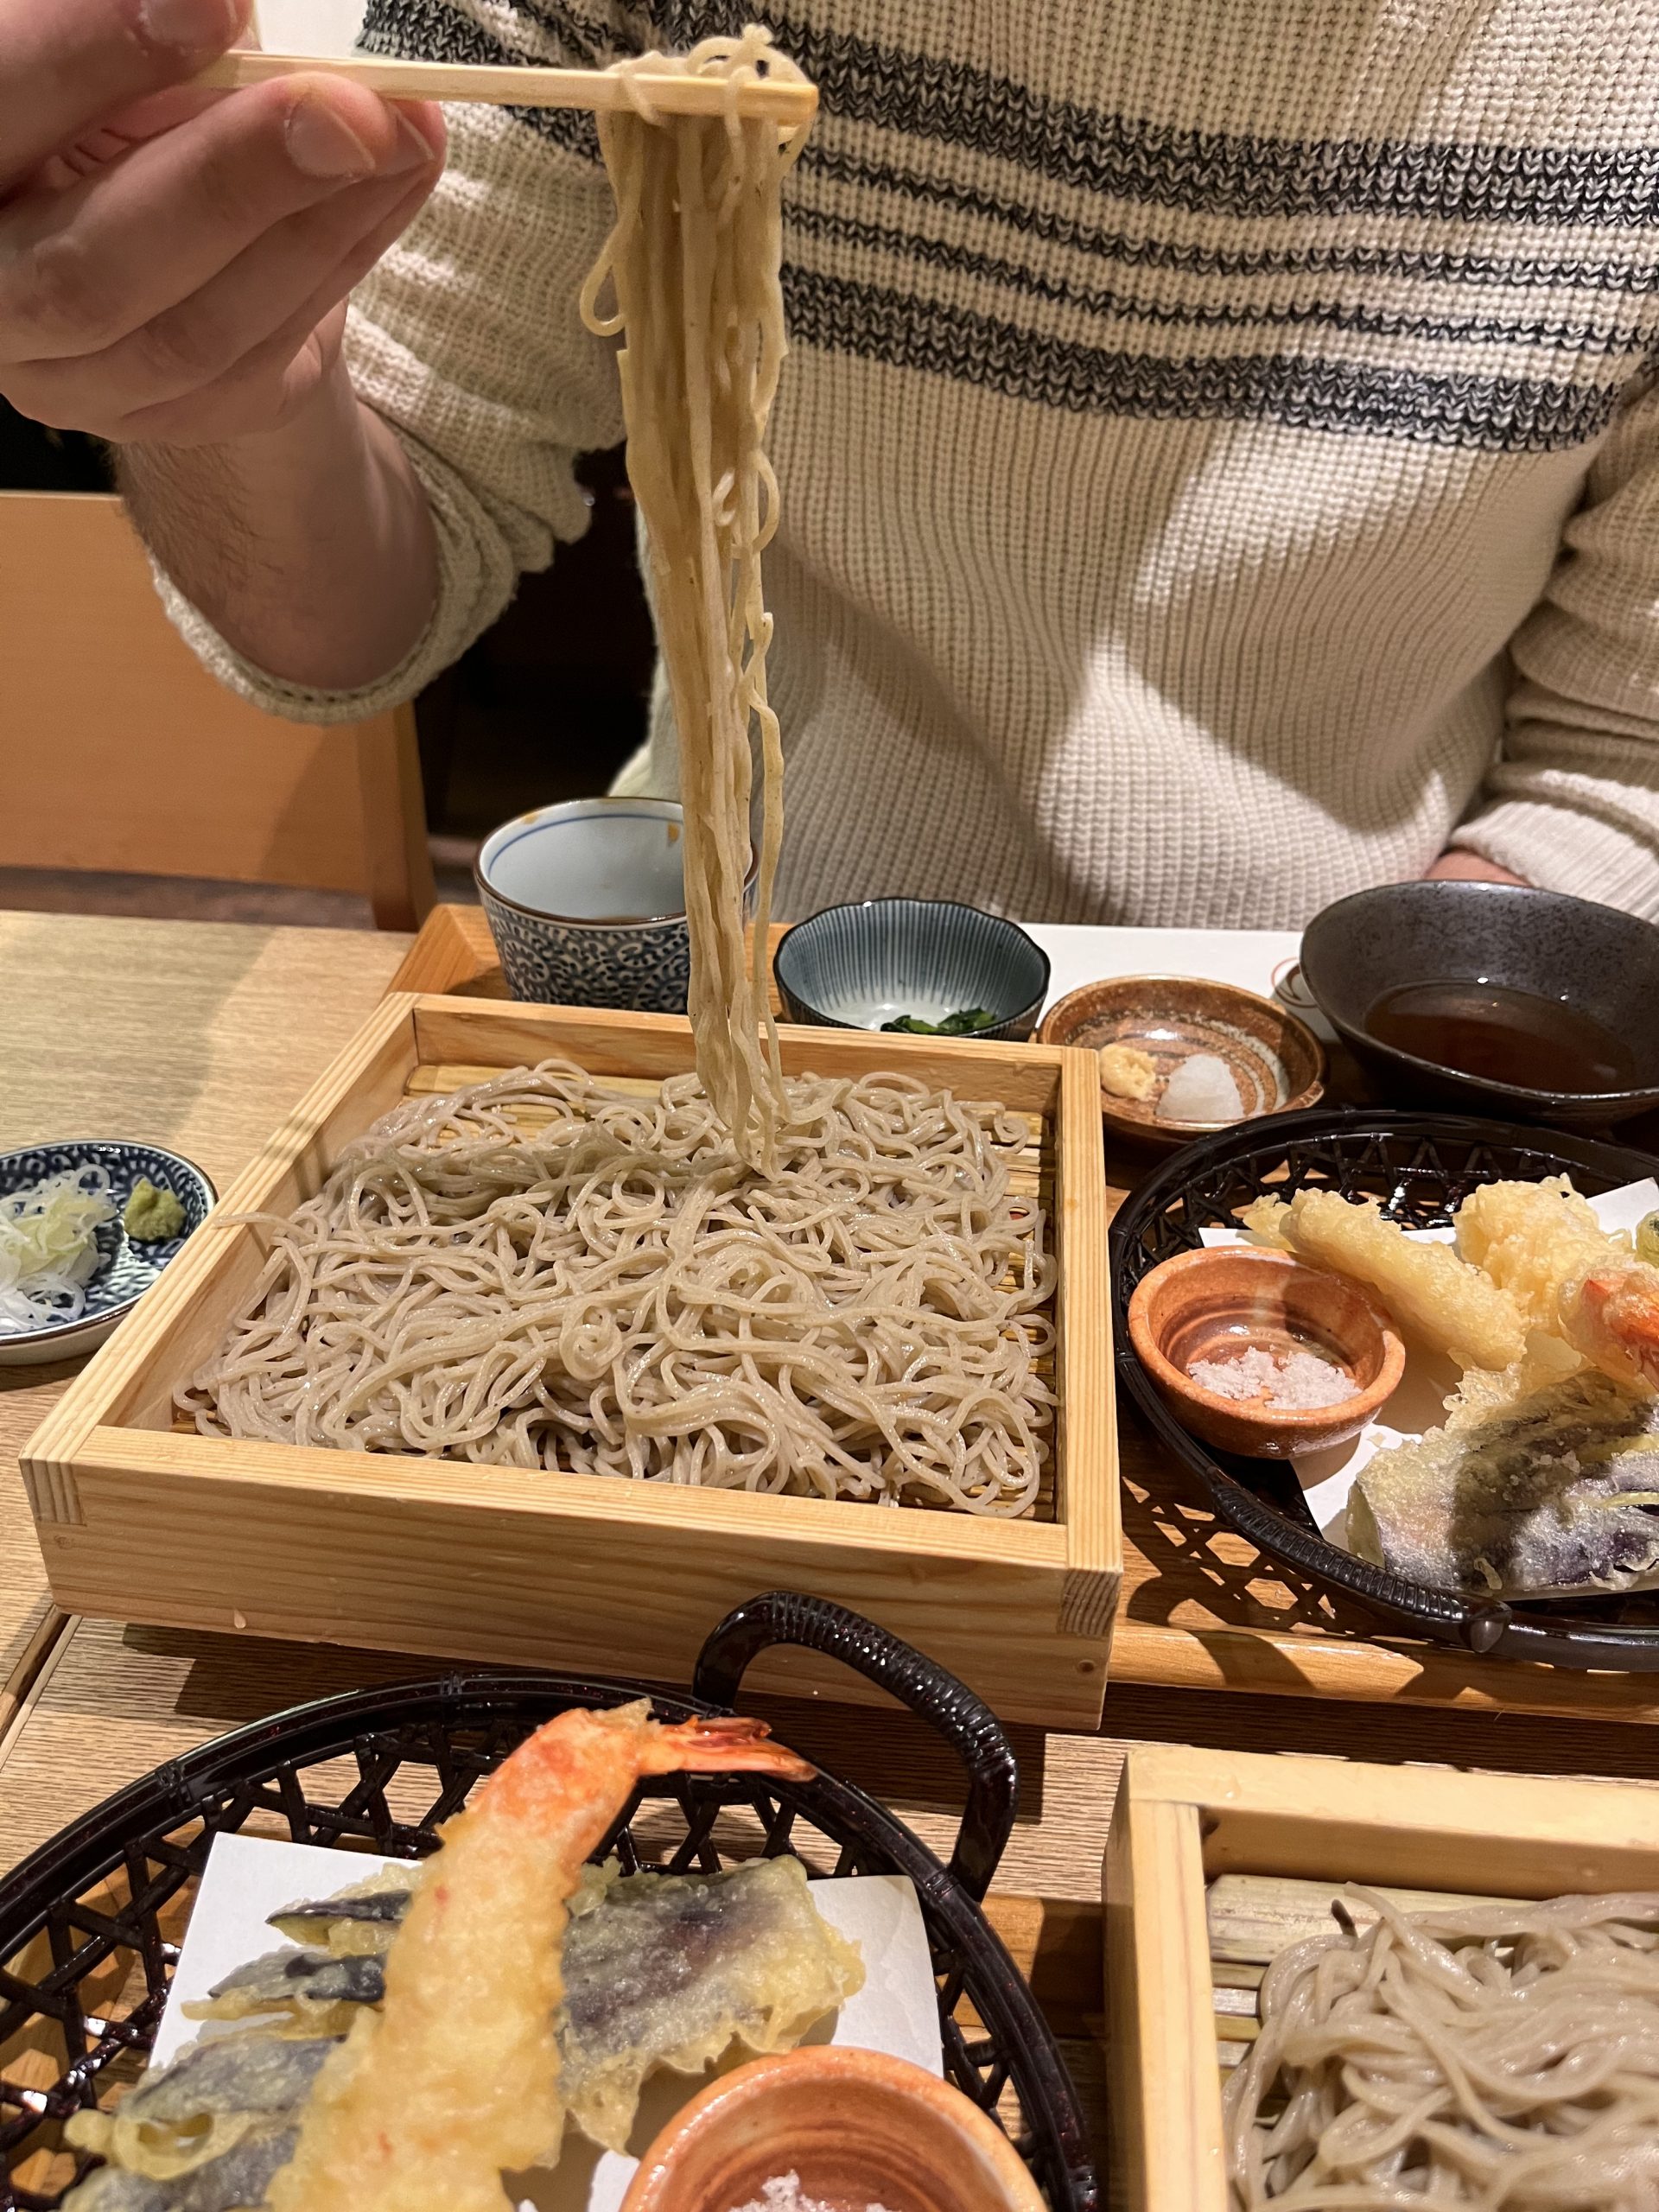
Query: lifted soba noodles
[693,265]
[538,1273]
[1497,2056]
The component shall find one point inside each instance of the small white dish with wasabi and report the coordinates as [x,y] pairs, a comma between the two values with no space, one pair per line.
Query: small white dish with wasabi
[86,1228]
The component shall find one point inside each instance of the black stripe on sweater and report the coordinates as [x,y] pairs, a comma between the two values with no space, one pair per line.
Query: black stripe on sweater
[1492,414]
[1635,275]
[1581,337]
[1200,172]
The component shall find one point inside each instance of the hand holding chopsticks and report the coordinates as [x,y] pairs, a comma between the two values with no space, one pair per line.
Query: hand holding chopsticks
[784,100]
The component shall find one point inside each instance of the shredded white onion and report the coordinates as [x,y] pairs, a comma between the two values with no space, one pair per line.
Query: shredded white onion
[48,1247]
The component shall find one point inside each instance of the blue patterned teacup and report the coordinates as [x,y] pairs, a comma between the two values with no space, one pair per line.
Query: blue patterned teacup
[587,904]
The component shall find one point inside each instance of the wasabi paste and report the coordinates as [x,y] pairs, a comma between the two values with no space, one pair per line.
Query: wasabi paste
[152,1216]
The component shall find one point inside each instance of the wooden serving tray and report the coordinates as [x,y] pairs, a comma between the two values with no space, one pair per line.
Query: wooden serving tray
[1198,1608]
[139,1521]
[1218,1860]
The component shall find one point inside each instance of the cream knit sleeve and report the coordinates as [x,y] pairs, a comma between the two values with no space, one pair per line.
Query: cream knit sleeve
[1573,802]
[466,339]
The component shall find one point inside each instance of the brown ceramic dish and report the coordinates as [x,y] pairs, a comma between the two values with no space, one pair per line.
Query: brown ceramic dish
[1276,1061]
[857,2128]
[1216,1303]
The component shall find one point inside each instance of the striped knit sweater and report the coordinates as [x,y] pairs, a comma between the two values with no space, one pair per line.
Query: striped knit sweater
[1217,458]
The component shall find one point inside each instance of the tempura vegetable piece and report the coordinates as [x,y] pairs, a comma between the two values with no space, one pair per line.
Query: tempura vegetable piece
[1545,1497]
[235,2182]
[1532,1237]
[427,2102]
[669,1970]
[362,1920]
[175,2121]
[1427,1286]
[315,1994]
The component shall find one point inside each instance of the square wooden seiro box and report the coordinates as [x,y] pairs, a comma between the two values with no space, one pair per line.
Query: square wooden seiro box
[1219,1861]
[139,1521]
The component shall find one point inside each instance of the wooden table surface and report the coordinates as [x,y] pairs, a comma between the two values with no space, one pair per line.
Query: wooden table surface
[201,1037]
[197,1036]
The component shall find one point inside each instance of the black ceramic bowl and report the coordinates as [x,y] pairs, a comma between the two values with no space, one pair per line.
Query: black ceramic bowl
[860,967]
[1486,939]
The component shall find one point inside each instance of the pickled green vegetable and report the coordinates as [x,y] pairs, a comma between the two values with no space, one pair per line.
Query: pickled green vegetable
[954,1025]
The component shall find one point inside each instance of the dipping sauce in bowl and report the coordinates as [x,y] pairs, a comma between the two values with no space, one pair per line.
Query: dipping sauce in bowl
[1492,997]
[586,902]
[1501,1035]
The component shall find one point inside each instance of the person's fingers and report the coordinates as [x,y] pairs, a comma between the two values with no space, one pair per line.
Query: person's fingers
[256,400]
[285,281]
[64,64]
[256,389]
[82,269]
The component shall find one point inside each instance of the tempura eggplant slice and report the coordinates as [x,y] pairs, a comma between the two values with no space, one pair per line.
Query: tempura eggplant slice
[1543,1497]
[236,2183]
[197,2110]
[312,1991]
[664,1970]
[360,1921]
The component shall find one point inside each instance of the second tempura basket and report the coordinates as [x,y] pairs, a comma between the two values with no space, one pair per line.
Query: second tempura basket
[90,1923]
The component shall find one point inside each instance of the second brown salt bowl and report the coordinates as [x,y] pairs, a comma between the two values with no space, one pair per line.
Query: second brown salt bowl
[854,2127]
[1217,1303]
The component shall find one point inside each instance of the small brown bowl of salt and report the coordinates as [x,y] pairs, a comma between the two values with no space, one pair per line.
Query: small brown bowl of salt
[830,2128]
[1258,1354]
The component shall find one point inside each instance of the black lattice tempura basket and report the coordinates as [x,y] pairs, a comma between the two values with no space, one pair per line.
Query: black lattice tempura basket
[90,1926]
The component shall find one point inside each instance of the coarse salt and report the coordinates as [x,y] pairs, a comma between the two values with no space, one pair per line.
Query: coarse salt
[784,2193]
[1299,1382]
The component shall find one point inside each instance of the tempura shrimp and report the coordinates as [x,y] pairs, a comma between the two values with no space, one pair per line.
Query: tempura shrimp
[1611,1316]
[429,2102]
[1571,1277]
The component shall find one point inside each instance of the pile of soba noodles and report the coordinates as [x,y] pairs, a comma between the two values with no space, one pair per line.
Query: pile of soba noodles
[536,1272]
[1497,2056]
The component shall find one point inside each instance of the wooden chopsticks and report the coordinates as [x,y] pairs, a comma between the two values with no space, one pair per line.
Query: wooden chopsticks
[784,100]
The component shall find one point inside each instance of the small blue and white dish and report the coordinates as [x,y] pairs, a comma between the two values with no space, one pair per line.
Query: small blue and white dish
[586,902]
[861,966]
[125,1269]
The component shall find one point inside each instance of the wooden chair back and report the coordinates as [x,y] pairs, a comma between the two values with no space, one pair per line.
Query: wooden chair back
[120,753]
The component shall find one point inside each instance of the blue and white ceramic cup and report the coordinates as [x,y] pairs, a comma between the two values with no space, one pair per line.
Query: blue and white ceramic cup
[587,904]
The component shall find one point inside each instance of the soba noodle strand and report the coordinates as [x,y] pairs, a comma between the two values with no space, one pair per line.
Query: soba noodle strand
[538,1273]
[1503,2055]
[693,263]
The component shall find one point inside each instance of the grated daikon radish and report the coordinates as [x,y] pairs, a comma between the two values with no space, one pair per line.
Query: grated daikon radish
[48,1247]
[1202,1088]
